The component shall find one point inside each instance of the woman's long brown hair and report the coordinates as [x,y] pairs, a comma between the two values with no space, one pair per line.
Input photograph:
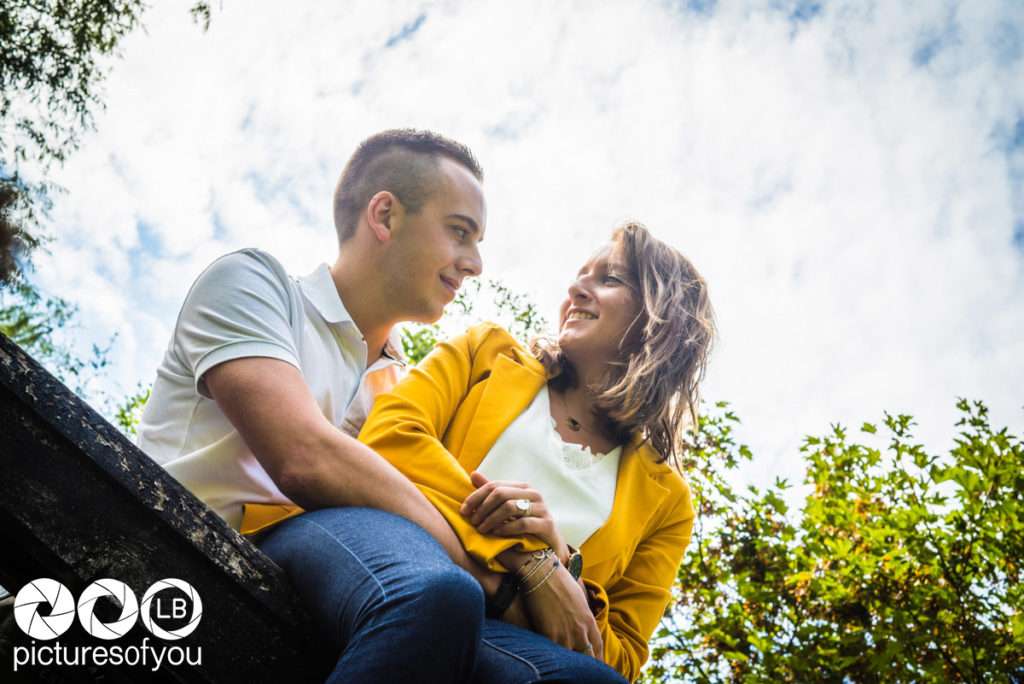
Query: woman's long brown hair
[664,353]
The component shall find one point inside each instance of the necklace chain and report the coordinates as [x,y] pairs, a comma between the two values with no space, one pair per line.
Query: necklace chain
[570,421]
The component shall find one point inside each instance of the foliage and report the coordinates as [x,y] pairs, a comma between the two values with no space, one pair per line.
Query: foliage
[201,14]
[11,238]
[418,340]
[129,412]
[901,567]
[40,324]
[55,56]
[51,66]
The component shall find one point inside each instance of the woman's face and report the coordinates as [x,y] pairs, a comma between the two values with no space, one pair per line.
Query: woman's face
[603,302]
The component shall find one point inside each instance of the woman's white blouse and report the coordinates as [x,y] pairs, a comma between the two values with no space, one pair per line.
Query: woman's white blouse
[578,487]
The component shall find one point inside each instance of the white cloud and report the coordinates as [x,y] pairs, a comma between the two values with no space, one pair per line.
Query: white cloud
[852,210]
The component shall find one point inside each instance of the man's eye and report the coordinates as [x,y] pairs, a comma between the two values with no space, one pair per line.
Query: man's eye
[461,232]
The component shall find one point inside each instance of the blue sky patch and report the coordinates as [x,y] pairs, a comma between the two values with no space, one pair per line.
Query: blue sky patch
[266,188]
[1017,139]
[704,8]
[934,42]
[770,193]
[1009,138]
[926,52]
[803,10]
[513,125]
[406,32]
[150,241]
[220,231]
[247,119]
[1006,43]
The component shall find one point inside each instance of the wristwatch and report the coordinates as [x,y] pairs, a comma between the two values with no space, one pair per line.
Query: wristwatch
[497,605]
[575,563]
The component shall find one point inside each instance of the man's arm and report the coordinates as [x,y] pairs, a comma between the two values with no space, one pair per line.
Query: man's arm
[313,463]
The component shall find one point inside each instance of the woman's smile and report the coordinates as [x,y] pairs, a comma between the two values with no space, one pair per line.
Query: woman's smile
[580,314]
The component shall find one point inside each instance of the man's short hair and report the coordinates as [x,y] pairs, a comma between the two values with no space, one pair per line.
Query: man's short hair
[402,161]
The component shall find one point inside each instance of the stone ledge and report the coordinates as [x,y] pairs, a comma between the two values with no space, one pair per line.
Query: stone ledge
[79,502]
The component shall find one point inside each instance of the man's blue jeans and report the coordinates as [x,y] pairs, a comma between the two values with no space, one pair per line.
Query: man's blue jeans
[400,610]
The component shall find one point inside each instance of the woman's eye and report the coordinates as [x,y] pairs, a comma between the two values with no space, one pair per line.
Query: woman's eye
[612,279]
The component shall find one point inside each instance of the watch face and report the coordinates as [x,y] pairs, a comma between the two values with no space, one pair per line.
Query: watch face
[575,565]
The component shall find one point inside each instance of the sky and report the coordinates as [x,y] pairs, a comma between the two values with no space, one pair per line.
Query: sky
[848,177]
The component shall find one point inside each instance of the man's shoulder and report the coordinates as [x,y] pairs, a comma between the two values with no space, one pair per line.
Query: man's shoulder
[242,279]
[245,292]
[246,262]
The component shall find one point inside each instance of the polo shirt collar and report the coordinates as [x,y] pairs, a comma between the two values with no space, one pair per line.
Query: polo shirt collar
[319,289]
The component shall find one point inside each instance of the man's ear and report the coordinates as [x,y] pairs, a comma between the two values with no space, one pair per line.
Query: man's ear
[382,211]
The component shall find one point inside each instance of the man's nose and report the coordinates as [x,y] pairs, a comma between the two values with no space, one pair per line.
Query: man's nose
[471,264]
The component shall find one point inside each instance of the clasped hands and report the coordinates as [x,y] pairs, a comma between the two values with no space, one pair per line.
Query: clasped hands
[558,607]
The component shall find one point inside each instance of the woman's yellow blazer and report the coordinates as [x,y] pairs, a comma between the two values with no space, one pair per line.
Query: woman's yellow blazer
[439,422]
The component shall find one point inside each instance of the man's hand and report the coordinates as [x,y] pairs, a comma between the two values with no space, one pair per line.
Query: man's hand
[488,579]
[517,615]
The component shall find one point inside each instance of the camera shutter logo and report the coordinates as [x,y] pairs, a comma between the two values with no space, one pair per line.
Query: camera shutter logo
[29,600]
[122,594]
[147,612]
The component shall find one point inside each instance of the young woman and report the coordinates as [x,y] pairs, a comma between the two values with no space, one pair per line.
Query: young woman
[551,465]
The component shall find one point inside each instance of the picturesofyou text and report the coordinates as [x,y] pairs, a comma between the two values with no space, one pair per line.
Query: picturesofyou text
[45,609]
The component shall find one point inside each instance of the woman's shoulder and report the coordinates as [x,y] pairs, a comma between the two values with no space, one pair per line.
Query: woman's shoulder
[482,346]
[488,340]
[490,333]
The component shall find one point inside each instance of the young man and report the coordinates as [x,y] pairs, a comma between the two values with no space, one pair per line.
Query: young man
[263,371]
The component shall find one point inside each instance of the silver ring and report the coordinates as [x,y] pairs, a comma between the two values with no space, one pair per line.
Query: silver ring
[524,507]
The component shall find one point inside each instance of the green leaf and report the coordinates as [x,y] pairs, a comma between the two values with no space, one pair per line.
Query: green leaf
[799,577]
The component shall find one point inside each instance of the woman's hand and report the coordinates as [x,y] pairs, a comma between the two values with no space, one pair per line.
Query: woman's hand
[560,611]
[491,509]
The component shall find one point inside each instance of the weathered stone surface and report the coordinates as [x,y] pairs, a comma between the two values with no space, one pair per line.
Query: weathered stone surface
[79,502]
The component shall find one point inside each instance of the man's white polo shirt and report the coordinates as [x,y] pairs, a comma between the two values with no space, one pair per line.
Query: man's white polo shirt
[244,305]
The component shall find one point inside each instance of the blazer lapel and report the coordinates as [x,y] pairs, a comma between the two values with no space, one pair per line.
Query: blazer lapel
[637,497]
[512,385]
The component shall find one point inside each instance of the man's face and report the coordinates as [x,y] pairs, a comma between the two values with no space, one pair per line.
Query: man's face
[436,248]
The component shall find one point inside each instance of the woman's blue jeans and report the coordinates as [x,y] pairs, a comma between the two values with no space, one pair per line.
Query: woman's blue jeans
[399,610]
